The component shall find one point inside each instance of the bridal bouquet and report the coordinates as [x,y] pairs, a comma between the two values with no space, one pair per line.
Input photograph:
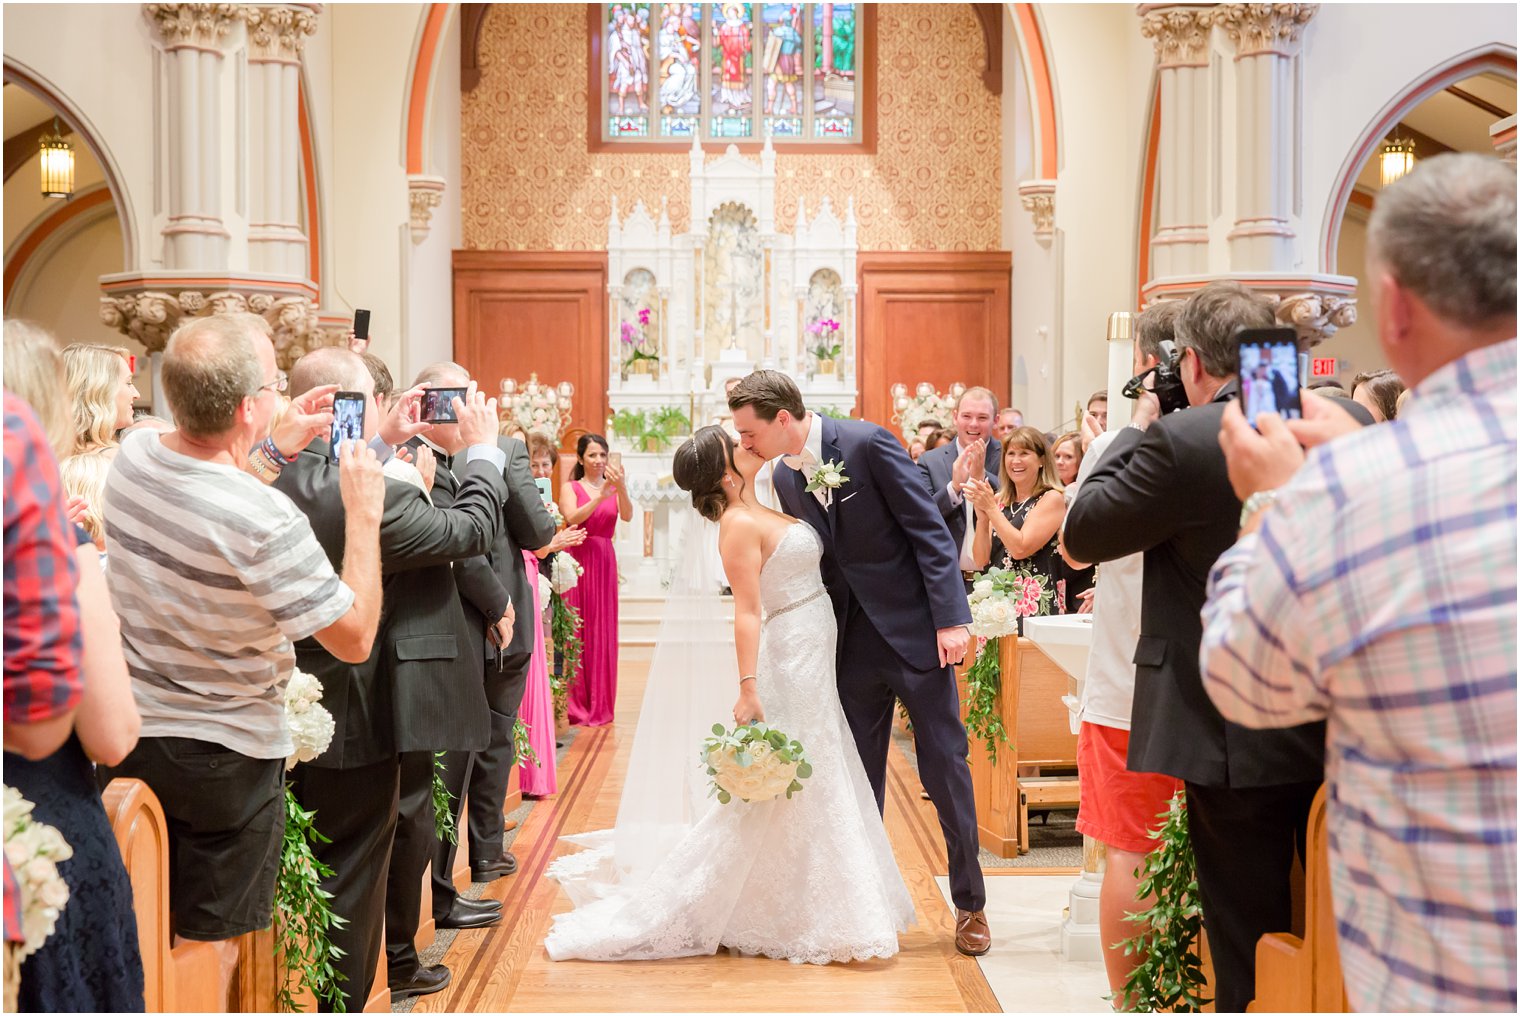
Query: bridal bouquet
[754,763]
[34,850]
[311,725]
[564,573]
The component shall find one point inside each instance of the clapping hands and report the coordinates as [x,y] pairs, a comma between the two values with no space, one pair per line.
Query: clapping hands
[981,495]
[970,463]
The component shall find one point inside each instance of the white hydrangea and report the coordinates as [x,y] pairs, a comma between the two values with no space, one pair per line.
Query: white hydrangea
[311,725]
[565,573]
[34,851]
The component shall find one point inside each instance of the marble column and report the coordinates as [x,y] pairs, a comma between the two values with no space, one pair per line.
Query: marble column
[276,36]
[1180,245]
[194,36]
[1267,38]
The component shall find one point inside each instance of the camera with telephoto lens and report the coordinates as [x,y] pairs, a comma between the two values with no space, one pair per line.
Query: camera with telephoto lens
[1168,380]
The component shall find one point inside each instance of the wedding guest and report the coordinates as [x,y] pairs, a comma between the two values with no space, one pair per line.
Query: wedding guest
[1066,454]
[1378,392]
[1325,382]
[1008,421]
[84,477]
[1373,586]
[595,498]
[975,454]
[1072,583]
[938,439]
[916,449]
[1016,525]
[1097,407]
[102,392]
[927,427]
[210,647]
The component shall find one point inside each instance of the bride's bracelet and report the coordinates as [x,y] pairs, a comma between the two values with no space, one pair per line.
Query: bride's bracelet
[748,677]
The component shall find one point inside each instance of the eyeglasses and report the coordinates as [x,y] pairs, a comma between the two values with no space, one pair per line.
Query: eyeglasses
[279,384]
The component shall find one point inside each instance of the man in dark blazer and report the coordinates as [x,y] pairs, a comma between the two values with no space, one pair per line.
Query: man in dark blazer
[499,626]
[900,604]
[949,466]
[1162,489]
[408,691]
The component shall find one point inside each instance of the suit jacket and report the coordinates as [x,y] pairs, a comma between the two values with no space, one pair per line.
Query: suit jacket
[885,543]
[488,582]
[412,693]
[938,466]
[1165,492]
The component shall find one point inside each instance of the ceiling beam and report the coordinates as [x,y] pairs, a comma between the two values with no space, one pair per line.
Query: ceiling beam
[1425,146]
[23,146]
[1497,112]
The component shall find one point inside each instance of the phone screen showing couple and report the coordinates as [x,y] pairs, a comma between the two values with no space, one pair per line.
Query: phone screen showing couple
[1268,365]
[348,421]
[438,404]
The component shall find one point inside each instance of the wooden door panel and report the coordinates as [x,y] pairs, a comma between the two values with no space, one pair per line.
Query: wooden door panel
[940,317]
[518,313]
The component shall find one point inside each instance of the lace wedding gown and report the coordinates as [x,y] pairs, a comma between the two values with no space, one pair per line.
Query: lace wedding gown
[812,879]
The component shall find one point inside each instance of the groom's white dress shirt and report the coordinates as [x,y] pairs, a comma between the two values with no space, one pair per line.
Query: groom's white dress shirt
[812,456]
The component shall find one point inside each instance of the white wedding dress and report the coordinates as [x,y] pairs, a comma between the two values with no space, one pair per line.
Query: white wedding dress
[811,880]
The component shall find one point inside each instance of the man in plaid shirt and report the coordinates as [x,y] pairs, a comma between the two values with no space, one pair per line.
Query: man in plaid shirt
[1374,586]
[42,638]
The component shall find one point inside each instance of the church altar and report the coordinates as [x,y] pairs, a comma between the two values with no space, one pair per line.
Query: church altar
[689,311]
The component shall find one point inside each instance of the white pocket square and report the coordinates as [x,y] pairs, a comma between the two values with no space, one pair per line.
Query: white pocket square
[846,498]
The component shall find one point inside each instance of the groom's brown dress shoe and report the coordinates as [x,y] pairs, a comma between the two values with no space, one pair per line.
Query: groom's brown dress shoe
[972,937]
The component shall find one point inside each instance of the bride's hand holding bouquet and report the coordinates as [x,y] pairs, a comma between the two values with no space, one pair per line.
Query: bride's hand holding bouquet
[748,709]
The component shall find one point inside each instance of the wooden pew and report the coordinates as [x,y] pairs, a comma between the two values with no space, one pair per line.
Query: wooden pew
[1040,738]
[1303,974]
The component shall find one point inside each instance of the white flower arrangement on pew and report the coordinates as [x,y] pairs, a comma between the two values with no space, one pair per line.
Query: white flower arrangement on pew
[34,850]
[565,573]
[753,762]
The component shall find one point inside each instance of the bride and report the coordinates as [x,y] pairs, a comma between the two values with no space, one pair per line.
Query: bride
[811,879]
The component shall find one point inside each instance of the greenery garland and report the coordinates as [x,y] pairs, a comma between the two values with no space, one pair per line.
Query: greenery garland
[302,946]
[520,746]
[983,680]
[564,632]
[443,812]
[1169,977]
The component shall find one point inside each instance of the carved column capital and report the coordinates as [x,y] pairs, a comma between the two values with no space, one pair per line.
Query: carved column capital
[151,315]
[425,194]
[1315,316]
[1256,29]
[278,34]
[1039,199]
[1180,33]
[199,25]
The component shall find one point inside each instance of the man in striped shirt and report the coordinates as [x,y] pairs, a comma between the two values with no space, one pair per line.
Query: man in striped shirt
[214,576]
[1374,586]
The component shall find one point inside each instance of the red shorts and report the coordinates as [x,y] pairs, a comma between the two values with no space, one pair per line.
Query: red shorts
[1118,807]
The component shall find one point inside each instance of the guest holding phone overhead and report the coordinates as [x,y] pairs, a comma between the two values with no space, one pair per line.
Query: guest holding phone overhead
[595,498]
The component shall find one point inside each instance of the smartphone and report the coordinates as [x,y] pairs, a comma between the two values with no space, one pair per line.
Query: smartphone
[615,460]
[438,404]
[348,420]
[1267,360]
[544,485]
[361,324]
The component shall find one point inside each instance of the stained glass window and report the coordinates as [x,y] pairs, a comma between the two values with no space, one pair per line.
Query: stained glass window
[730,72]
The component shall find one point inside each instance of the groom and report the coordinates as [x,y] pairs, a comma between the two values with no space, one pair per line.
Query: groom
[890,568]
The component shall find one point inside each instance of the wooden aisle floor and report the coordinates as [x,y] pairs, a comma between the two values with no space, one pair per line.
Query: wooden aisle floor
[505,969]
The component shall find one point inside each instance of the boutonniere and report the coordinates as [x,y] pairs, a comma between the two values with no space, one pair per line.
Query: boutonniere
[829,477]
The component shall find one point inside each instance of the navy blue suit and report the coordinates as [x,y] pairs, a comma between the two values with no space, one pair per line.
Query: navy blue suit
[938,468]
[892,572]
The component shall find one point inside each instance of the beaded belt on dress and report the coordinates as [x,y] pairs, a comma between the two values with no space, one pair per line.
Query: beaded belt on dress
[793,606]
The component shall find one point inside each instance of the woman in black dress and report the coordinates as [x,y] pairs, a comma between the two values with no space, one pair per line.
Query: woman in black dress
[1071,582]
[1016,525]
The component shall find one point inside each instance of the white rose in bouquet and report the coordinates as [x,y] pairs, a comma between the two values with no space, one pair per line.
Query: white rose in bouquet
[311,725]
[34,851]
[754,763]
[565,573]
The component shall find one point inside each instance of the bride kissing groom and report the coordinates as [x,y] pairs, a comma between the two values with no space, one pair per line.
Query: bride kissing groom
[835,620]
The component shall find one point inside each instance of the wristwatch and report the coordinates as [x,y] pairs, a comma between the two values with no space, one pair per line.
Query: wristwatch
[1255,503]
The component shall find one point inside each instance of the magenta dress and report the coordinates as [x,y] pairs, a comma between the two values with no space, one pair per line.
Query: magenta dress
[593,693]
[537,709]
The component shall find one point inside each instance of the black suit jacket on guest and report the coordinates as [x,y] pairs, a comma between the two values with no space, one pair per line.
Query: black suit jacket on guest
[1165,491]
[414,692]
[938,466]
[488,582]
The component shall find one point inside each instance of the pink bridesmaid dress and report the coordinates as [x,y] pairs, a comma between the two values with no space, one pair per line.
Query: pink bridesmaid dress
[593,693]
[537,709]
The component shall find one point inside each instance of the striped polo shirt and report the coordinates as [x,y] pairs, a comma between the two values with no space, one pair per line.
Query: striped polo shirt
[1379,594]
[214,576]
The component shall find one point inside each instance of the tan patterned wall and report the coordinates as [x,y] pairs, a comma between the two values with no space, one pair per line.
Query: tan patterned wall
[530,184]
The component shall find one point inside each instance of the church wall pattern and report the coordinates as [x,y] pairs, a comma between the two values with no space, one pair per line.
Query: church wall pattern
[529,182]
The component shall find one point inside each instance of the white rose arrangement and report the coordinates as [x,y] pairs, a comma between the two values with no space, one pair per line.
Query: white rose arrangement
[311,725]
[993,612]
[34,851]
[565,573]
[754,763]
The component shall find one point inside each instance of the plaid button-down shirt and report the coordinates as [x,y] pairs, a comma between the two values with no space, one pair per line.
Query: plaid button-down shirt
[42,641]
[1379,593]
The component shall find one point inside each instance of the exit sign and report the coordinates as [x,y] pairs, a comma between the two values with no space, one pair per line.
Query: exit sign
[1322,366]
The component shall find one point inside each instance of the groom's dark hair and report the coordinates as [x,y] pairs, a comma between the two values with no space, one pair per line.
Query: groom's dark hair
[768,392]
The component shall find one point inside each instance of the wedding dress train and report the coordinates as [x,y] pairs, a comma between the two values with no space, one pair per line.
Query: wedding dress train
[812,879]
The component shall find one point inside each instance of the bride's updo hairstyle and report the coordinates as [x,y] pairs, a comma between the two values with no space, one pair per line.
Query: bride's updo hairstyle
[699,467]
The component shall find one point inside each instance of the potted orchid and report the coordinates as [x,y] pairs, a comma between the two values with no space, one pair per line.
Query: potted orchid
[826,332]
[637,357]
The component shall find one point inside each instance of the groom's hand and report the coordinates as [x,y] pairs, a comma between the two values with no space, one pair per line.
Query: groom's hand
[953,643]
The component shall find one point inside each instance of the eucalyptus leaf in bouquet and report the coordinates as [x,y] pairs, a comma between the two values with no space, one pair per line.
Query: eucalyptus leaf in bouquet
[753,762]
